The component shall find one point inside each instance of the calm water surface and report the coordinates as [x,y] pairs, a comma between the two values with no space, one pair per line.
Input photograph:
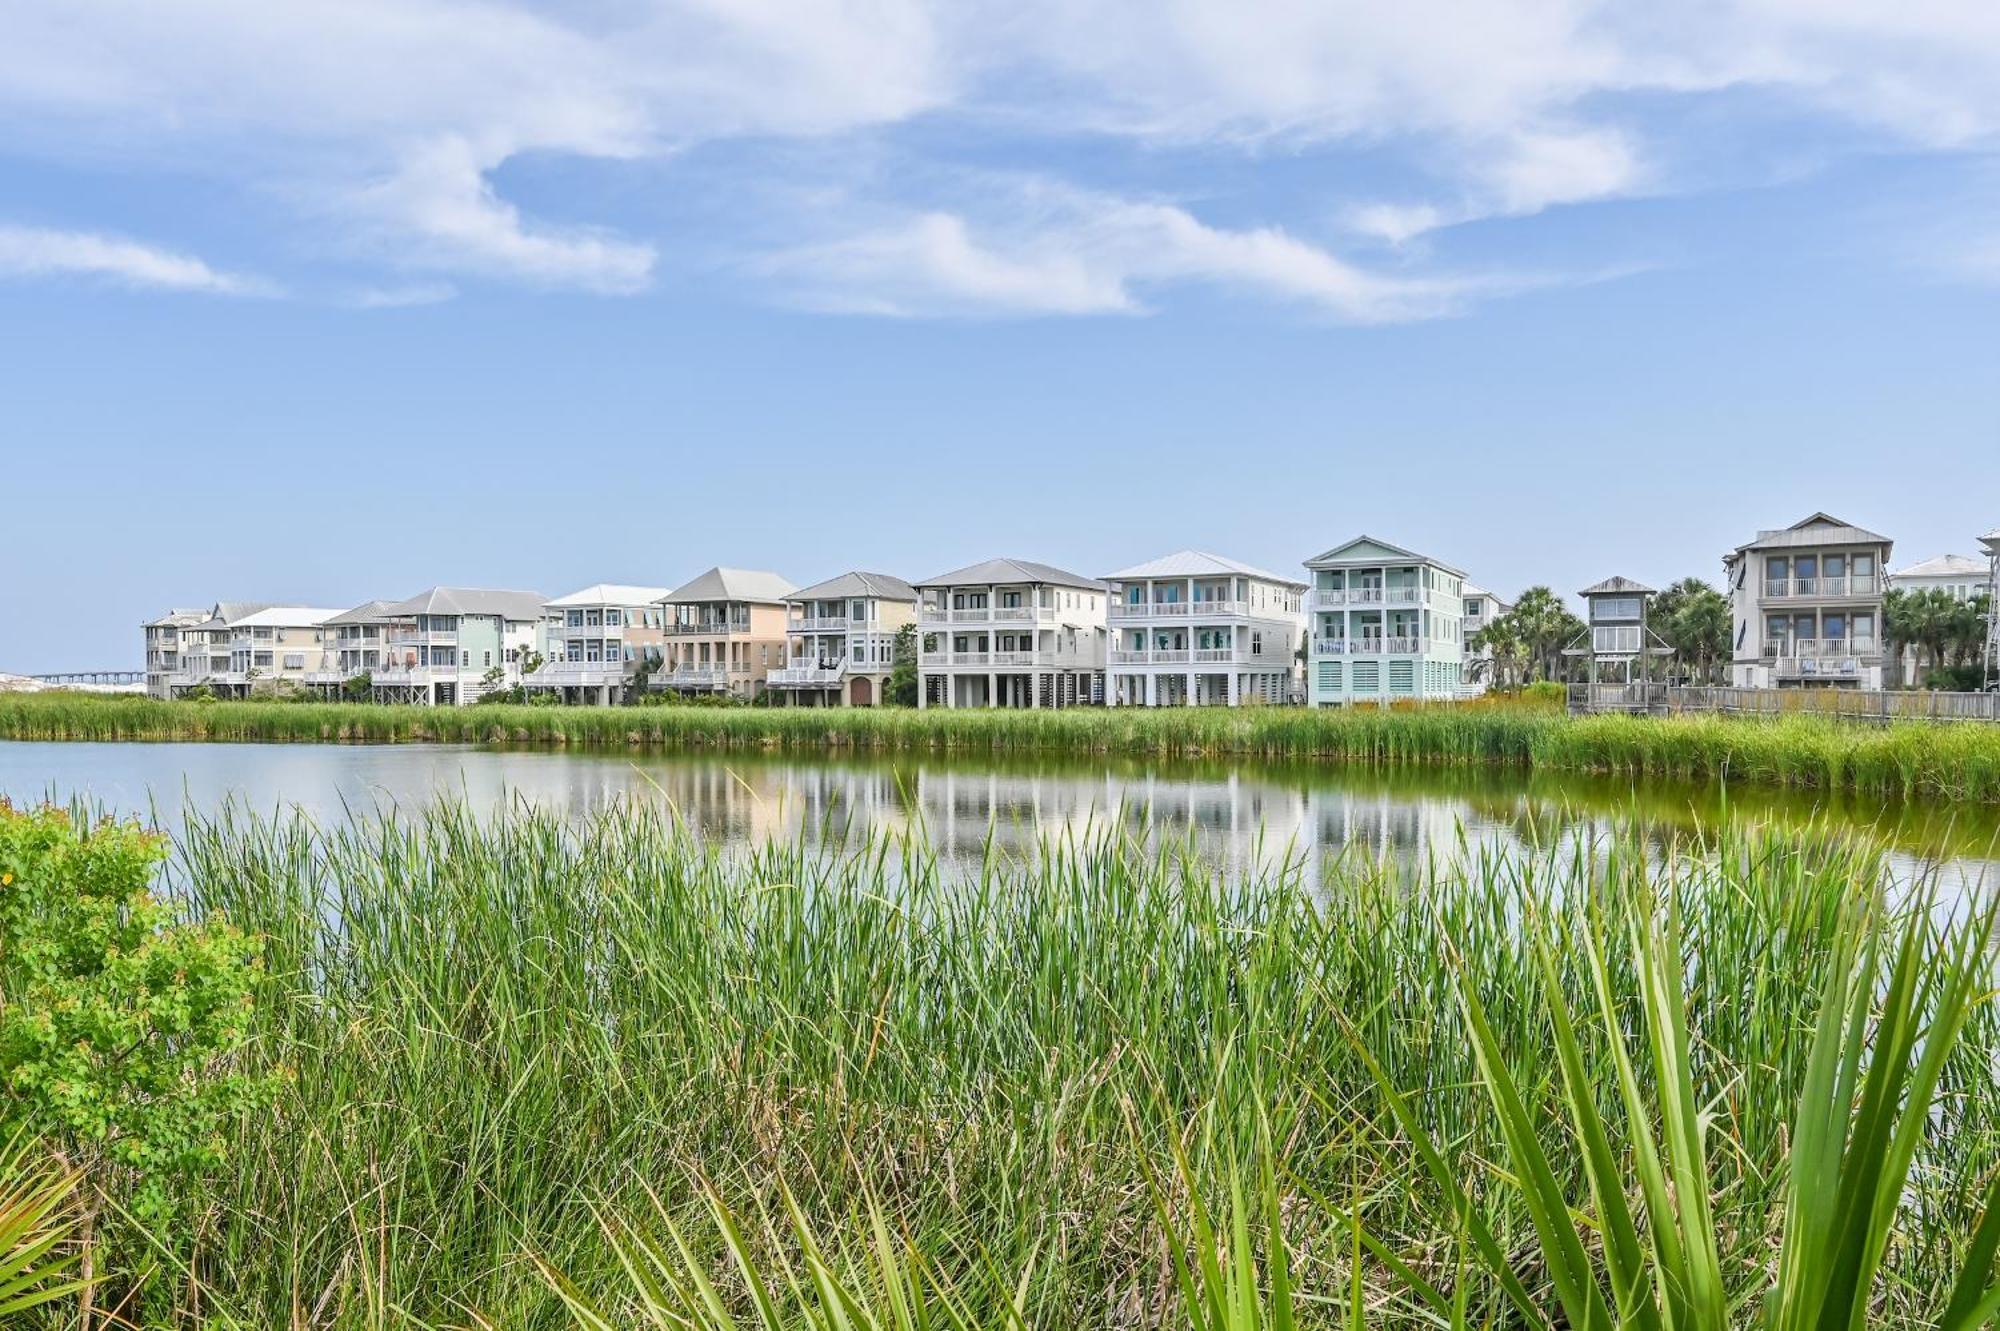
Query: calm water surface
[1240,813]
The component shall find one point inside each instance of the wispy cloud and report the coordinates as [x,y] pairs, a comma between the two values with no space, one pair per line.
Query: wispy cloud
[401,297]
[1071,252]
[32,252]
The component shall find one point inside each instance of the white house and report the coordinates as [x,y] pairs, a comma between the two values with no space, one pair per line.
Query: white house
[242,648]
[597,640]
[164,641]
[1011,633]
[1961,577]
[1481,608]
[1196,629]
[1387,623]
[1806,601]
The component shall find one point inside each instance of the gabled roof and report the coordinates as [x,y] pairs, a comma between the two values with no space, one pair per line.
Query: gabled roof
[176,619]
[472,601]
[732,584]
[1197,564]
[1991,539]
[368,612]
[285,617]
[1471,588]
[1618,587]
[1943,566]
[990,572]
[847,586]
[612,593]
[1339,555]
[1816,529]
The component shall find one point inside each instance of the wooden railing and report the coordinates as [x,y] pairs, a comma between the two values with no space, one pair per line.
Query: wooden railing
[1854,704]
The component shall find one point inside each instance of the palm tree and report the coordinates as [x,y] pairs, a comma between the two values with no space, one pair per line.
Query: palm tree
[1693,618]
[1503,649]
[1544,626]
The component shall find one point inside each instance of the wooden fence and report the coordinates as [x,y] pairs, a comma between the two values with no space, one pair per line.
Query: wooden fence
[1854,704]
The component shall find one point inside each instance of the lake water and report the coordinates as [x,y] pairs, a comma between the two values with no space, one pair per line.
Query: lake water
[1240,813]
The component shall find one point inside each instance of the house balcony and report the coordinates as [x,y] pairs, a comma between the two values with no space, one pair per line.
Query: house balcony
[1321,599]
[576,674]
[1003,614]
[709,628]
[817,675]
[698,677]
[1183,610]
[1832,589]
[1009,660]
[818,624]
[1368,647]
[1820,648]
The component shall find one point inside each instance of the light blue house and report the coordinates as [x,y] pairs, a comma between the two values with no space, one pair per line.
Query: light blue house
[1386,623]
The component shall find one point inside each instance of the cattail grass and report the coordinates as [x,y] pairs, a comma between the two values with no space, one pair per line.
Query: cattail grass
[1911,760]
[525,1057]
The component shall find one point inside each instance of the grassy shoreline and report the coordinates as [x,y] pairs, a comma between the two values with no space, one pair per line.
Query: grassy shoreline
[506,1051]
[1914,760]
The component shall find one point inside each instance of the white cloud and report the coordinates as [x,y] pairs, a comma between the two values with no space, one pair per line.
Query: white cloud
[1074,253]
[397,114]
[441,212]
[43,252]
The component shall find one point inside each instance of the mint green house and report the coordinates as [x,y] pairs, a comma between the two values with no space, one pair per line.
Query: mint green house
[1386,623]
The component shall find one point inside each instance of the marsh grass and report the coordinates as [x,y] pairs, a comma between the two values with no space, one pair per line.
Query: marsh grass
[1914,760]
[530,1062]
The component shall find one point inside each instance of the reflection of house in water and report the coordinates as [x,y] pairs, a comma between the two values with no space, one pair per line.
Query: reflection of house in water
[1233,817]
[1374,825]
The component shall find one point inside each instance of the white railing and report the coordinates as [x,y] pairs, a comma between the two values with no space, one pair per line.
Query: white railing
[1861,584]
[709,628]
[1367,646]
[1807,647]
[818,624]
[818,676]
[1321,599]
[688,677]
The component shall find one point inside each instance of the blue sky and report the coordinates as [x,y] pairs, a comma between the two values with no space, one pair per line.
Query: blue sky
[325,301]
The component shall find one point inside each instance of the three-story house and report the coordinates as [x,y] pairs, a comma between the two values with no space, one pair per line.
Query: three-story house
[1807,606]
[1196,629]
[840,639]
[725,632]
[1387,624]
[596,642]
[1011,633]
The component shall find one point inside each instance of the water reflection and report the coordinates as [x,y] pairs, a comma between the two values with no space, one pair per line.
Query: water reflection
[1239,814]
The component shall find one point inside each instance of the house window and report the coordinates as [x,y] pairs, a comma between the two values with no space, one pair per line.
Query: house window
[295,661]
[465,657]
[486,658]
[1256,642]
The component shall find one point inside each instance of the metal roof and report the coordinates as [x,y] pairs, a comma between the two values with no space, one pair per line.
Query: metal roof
[1817,529]
[1943,566]
[1333,556]
[472,601]
[1618,587]
[612,593]
[1471,588]
[732,584]
[880,586]
[1197,564]
[368,612]
[991,572]
[176,619]
[286,617]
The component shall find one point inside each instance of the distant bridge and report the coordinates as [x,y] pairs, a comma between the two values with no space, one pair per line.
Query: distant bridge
[99,678]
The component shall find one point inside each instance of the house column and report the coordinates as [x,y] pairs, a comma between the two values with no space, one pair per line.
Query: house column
[1234,691]
[992,690]
[1192,679]
[1152,688]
